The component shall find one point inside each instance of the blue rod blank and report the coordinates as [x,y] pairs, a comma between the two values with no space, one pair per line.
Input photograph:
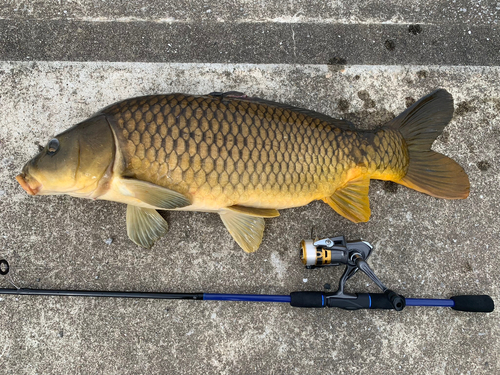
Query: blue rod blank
[429,302]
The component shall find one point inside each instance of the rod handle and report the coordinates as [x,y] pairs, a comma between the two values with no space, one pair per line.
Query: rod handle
[482,303]
[352,302]
[307,299]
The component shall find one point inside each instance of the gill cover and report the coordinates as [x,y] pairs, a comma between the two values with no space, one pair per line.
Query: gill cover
[73,162]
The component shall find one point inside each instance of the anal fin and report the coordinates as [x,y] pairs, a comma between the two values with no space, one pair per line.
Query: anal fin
[247,230]
[351,200]
[145,225]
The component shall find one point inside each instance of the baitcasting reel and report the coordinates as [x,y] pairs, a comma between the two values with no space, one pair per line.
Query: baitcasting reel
[335,251]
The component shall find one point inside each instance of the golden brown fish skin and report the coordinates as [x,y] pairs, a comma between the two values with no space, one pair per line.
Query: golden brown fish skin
[80,166]
[227,151]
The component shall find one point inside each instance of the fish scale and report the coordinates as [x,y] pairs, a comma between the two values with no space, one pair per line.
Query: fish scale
[239,152]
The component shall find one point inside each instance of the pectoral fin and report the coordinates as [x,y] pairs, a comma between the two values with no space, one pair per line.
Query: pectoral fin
[145,225]
[351,201]
[151,194]
[246,230]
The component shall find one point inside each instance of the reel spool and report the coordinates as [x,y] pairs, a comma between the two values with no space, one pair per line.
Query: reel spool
[332,251]
[312,256]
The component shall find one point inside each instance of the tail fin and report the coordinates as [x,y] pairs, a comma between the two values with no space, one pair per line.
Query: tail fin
[430,172]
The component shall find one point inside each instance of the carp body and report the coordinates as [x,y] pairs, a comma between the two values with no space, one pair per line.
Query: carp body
[241,157]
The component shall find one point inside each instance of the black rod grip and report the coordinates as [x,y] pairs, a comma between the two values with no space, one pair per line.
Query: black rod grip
[307,299]
[481,303]
[354,302]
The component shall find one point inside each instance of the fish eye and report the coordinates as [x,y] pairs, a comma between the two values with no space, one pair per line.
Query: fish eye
[53,146]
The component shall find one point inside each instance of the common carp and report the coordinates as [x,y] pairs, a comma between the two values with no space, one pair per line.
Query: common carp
[244,158]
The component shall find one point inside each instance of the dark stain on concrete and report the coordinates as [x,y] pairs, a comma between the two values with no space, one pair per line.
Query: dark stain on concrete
[415,29]
[365,97]
[40,146]
[390,45]
[483,165]
[422,74]
[445,136]
[468,267]
[464,107]
[337,61]
[409,101]
[343,105]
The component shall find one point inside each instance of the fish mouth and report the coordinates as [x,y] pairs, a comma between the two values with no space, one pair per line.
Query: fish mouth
[21,178]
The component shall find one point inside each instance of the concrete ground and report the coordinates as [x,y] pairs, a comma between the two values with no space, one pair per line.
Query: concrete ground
[355,60]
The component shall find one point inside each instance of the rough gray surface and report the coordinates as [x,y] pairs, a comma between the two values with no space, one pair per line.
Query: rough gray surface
[312,11]
[250,42]
[239,31]
[425,247]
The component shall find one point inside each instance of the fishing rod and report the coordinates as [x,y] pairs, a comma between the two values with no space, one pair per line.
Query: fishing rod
[326,252]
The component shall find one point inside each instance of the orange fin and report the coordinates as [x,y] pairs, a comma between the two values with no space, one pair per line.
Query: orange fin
[437,175]
[154,195]
[145,225]
[247,230]
[430,172]
[351,200]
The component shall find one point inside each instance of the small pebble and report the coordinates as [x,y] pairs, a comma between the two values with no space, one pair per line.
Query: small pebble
[109,241]
[304,280]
